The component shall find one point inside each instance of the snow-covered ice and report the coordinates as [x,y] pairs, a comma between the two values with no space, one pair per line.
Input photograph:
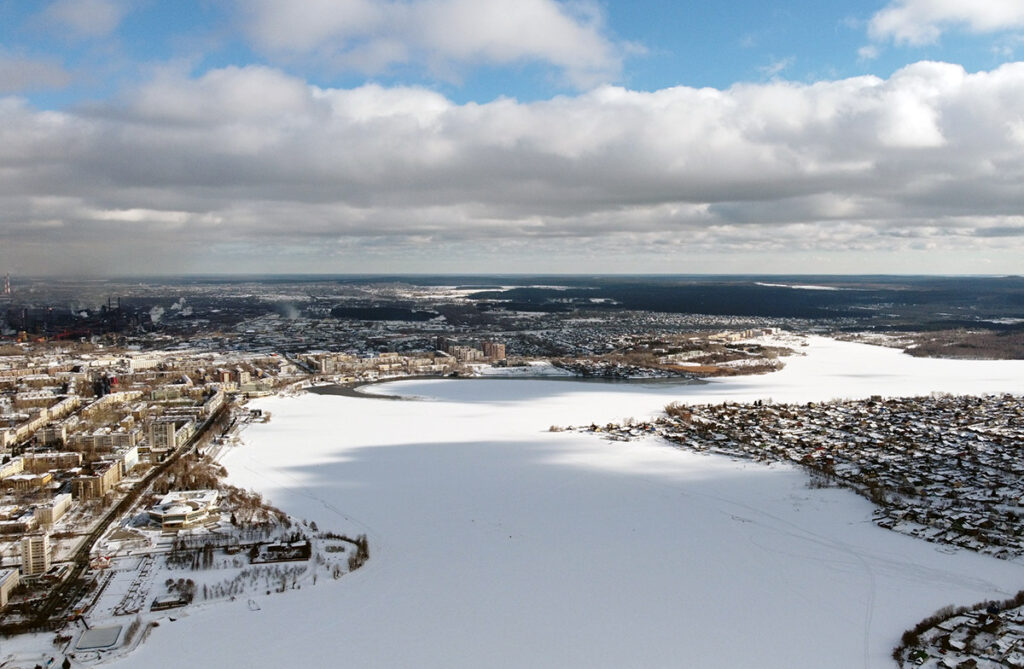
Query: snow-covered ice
[495,543]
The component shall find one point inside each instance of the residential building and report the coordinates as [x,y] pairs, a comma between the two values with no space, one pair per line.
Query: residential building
[494,350]
[213,403]
[37,463]
[56,434]
[50,513]
[128,458]
[166,434]
[105,476]
[38,399]
[12,467]
[35,554]
[9,579]
[465,353]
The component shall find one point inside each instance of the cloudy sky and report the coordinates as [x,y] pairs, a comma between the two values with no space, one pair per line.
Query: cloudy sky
[384,136]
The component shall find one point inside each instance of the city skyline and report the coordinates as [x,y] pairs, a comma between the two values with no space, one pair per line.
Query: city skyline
[442,136]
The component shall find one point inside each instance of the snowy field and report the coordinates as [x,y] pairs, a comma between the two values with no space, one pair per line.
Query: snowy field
[495,543]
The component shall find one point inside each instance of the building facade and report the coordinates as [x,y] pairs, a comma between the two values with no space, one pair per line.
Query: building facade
[50,513]
[166,434]
[9,579]
[35,554]
[184,509]
[494,350]
[106,476]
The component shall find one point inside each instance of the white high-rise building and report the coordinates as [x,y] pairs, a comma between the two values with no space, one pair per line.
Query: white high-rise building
[35,554]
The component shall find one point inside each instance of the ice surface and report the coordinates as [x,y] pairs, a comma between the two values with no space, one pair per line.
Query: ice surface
[495,543]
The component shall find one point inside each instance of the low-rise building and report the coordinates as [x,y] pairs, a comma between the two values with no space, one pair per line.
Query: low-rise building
[49,514]
[128,457]
[65,407]
[28,482]
[9,579]
[106,475]
[184,509]
[56,434]
[38,463]
[39,399]
[106,439]
[19,523]
[213,403]
[12,467]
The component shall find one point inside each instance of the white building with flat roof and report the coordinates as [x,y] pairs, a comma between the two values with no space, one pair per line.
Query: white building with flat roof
[9,579]
[35,554]
[49,514]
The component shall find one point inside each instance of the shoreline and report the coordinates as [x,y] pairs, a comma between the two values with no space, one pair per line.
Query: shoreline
[355,389]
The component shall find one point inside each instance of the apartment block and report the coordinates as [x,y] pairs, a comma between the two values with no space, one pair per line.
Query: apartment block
[35,554]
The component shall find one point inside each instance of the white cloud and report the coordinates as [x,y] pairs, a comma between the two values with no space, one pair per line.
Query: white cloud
[244,162]
[918,22]
[1016,127]
[20,74]
[87,18]
[776,67]
[230,94]
[444,36]
[867,52]
[1007,46]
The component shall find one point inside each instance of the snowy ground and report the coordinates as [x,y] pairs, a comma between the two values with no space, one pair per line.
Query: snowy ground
[497,543]
[531,369]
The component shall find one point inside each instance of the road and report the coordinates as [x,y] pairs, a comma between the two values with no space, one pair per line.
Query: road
[67,591]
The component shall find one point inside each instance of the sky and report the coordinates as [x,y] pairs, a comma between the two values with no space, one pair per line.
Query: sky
[151,137]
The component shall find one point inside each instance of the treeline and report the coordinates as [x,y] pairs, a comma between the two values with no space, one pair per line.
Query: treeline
[189,473]
[362,554]
[970,344]
[382,314]
[722,299]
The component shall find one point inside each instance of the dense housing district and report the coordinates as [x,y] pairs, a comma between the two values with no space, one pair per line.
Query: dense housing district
[946,469]
[113,502]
